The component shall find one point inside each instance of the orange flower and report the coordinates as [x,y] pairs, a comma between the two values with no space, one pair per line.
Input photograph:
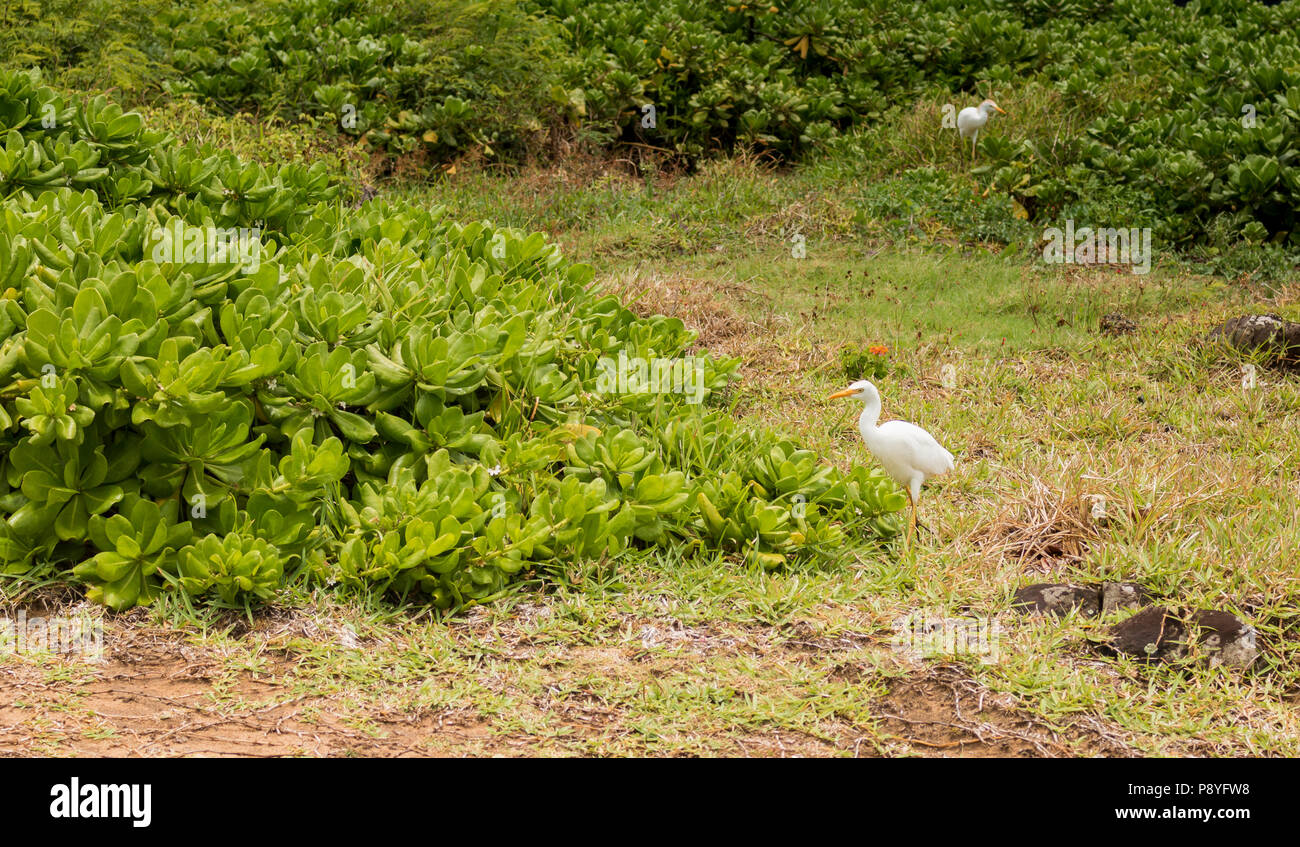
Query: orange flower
[878,349]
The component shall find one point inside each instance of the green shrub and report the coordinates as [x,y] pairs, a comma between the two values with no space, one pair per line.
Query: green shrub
[376,396]
[1125,113]
[1161,117]
[85,44]
[434,76]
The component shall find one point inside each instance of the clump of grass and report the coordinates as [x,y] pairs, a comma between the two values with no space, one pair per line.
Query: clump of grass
[268,140]
[1041,528]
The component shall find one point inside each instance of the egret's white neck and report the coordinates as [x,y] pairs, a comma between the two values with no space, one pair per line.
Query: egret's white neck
[870,416]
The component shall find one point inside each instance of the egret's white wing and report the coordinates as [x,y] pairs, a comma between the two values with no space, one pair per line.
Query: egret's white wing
[921,450]
[969,120]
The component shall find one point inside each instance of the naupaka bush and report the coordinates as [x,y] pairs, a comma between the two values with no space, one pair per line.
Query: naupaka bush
[386,399]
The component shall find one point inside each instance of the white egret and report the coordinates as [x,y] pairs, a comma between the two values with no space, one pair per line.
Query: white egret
[973,118]
[908,453]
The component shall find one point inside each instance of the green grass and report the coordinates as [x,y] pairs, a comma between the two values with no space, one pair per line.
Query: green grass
[970,303]
[678,653]
[1198,472]
[682,653]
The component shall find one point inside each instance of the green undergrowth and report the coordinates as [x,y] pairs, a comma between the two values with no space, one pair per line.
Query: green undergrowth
[218,377]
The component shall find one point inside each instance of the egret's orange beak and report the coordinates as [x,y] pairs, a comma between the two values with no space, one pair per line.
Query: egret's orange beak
[848,392]
[999,108]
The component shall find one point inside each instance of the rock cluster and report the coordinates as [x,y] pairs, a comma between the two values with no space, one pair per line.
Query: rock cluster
[1155,633]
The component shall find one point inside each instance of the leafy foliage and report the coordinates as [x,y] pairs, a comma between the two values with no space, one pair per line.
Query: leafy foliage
[1181,119]
[90,44]
[1205,126]
[436,76]
[384,399]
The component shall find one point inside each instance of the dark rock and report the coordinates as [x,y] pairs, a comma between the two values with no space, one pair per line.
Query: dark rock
[1278,339]
[1116,596]
[1057,599]
[1153,633]
[1227,639]
[1091,600]
[1157,634]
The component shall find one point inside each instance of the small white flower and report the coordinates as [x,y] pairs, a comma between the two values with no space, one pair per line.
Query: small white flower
[493,471]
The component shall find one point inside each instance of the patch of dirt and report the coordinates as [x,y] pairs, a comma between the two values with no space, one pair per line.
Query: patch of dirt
[164,706]
[153,693]
[160,692]
[946,714]
[156,694]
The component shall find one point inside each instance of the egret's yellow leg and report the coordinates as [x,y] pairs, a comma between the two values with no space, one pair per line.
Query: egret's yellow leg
[911,532]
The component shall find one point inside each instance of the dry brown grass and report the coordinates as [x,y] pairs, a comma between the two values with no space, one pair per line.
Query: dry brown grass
[1040,528]
[719,327]
[776,352]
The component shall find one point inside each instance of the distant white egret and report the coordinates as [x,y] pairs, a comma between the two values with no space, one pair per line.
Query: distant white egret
[973,118]
[908,453]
